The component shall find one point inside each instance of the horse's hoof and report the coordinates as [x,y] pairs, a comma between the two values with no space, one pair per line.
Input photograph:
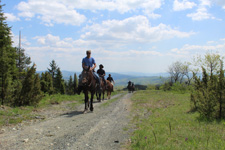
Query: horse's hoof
[85,111]
[91,109]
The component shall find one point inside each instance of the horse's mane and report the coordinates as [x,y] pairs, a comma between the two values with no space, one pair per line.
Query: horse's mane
[91,77]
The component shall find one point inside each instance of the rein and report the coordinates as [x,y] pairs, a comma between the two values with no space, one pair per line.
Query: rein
[91,80]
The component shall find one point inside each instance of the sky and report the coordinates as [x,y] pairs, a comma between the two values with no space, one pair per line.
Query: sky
[144,36]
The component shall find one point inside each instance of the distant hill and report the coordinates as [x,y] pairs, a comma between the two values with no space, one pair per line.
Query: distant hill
[122,79]
[140,80]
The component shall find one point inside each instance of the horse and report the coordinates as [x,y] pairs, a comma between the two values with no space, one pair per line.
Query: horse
[131,87]
[109,88]
[102,91]
[88,85]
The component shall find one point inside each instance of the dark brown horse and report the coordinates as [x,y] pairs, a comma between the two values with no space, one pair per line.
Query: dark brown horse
[109,88]
[131,87]
[101,92]
[88,85]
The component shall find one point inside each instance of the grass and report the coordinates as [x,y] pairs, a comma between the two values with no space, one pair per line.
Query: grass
[162,121]
[15,115]
[108,102]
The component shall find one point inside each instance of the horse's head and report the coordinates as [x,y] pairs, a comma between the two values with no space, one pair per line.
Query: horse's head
[86,76]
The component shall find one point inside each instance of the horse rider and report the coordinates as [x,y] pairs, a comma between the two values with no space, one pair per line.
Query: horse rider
[88,61]
[110,79]
[101,73]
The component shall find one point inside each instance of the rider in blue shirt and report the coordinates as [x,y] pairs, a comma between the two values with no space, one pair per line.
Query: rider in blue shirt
[89,61]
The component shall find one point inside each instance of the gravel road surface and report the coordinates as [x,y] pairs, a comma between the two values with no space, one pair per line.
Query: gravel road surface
[103,129]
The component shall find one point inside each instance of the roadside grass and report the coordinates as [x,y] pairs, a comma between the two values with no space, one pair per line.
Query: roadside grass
[162,120]
[108,102]
[14,115]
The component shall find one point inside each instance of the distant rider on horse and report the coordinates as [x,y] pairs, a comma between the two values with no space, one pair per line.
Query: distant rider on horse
[110,79]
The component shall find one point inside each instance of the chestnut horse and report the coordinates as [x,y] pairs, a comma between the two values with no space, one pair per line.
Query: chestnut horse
[102,91]
[89,85]
[109,88]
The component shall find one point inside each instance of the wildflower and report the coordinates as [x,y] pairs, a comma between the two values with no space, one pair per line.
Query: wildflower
[146,137]
[186,139]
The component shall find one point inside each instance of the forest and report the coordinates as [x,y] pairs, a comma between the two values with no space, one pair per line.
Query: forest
[20,84]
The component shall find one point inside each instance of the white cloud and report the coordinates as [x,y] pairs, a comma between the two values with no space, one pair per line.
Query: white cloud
[50,12]
[190,50]
[54,41]
[183,5]
[65,11]
[121,6]
[205,2]
[201,14]
[131,30]
[11,17]
[221,3]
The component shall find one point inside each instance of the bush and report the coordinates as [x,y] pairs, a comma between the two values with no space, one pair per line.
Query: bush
[166,86]
[208,95]
[179,87]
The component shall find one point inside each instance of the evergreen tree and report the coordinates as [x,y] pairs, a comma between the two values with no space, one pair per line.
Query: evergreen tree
[7,59]
[31,90]
[59,82]
[70,90]
[46,83]
[22,62]
[36,93]
[221,91]
[208,95]
[53,70]
[75,83]
[44,86]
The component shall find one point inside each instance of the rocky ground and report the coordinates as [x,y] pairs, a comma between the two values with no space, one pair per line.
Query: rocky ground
[103,129]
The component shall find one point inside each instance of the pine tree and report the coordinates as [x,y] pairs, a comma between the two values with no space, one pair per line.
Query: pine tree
[7,59]
[59,82]
[206,94]
[70,90]
[22,62]
[46,83]
[53,70]
[49,81]
[31,90]
[221,91]
[36,93]
[75,83]
[44,86]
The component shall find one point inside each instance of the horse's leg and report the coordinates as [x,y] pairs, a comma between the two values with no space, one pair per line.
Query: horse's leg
[92,96]
[99,97]
[96,95]
[86,101]
[108,94]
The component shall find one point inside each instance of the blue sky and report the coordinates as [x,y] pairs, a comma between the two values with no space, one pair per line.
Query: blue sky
[124,35]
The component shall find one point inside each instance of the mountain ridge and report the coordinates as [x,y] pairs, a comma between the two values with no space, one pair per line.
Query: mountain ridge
[122,79]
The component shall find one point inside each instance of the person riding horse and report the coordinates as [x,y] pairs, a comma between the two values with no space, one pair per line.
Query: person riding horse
[110,79]
[101,73]
[130,86]
[88,61]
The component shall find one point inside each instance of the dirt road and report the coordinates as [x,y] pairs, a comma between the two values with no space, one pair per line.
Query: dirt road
[101,130]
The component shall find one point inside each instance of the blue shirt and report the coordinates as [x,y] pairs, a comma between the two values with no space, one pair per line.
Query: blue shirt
[88,61]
